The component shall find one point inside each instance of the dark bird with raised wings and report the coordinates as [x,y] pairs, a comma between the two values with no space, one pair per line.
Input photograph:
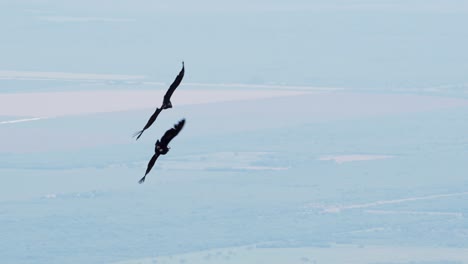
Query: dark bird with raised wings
[161,146]
[166,101]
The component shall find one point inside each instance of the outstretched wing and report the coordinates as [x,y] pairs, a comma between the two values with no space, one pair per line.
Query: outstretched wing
[149,123]
[172,133]
[150,166]
[175,84]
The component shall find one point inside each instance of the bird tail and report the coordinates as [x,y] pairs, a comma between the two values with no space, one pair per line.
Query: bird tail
[138,134]
[142,180]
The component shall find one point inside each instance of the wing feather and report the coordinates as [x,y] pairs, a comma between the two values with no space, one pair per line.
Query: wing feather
[175,84]
[149,167]
[172,133]
[149,123]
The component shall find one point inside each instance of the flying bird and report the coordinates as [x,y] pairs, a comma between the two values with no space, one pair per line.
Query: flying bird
[161,146]
[166,102]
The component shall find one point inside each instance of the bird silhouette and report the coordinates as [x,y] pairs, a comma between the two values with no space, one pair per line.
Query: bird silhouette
[166,102]
[161,146]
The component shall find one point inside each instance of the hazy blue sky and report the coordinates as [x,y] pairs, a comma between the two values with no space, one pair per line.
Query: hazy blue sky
[275,160]
[332,43]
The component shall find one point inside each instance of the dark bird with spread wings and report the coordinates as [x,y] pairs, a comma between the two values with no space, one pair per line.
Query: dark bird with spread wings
[161,146]
[166,101]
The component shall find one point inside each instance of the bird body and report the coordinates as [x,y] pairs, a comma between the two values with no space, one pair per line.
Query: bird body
[161,146]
